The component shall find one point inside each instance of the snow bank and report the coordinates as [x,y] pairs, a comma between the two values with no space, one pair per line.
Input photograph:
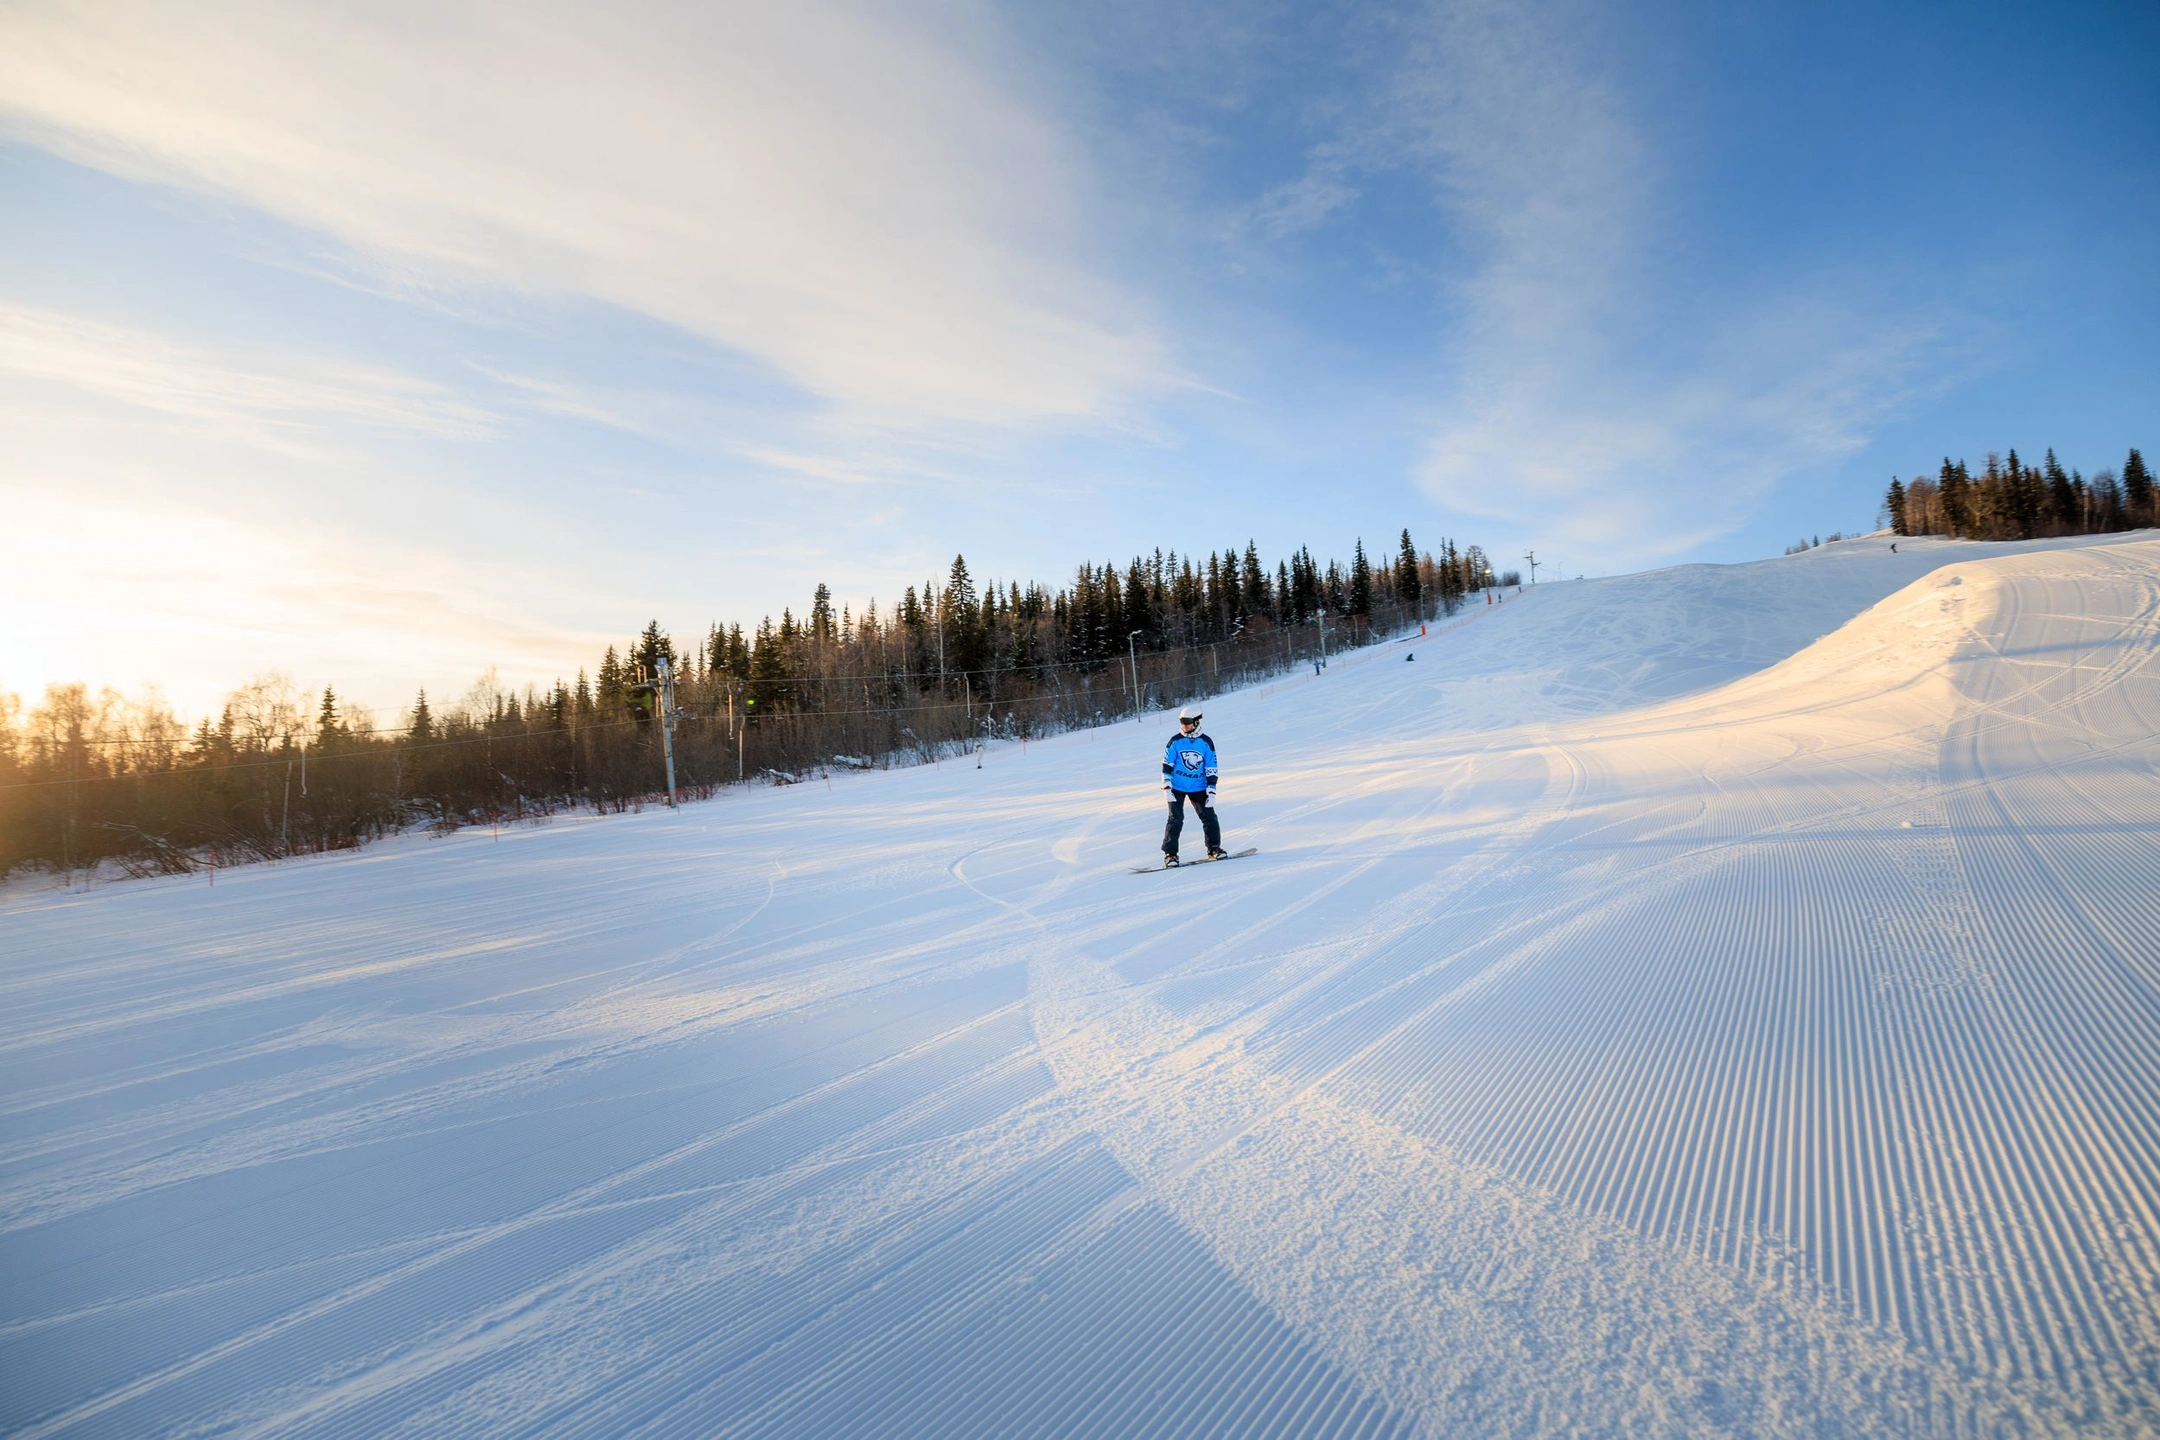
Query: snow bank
[1717,1001]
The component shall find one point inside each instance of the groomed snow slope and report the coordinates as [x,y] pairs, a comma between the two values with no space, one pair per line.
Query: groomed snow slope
[1723,1000]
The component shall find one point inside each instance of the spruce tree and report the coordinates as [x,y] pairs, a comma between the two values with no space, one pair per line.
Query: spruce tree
[2024,497]
[1360,596]
[1254,581]
[2062,505]
[651,645]
[1953,486]
[1139,607]
[1894,502]
[326,720]
[2137,492]
[768,666]
[613,688]
[422,729]
[2107,501]
[1115,624]
[1304,586]
[964,635]
[1407,585]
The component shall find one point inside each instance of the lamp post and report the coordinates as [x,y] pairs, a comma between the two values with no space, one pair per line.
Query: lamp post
[1132,662]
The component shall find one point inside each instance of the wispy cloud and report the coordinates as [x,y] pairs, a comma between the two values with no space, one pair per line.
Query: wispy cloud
[617,410]
[273,398]
[851,200]
[176,594]
[1595,392]
[1308,201]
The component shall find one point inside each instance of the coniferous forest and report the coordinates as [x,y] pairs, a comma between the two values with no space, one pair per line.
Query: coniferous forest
[88,778]
[2010,500]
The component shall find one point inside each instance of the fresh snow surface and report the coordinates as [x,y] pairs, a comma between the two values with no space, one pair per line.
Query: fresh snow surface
[1724,1000]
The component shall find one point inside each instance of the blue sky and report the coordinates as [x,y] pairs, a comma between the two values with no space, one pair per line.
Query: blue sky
[385,346]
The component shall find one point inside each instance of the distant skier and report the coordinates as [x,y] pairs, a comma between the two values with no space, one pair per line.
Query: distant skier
[1188,770]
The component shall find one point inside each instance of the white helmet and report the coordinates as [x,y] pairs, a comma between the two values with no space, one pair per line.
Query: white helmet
[1190,712]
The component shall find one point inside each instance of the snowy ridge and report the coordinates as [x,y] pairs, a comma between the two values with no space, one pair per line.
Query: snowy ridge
[1718,1001]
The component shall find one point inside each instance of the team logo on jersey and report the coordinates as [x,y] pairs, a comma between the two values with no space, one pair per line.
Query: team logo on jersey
[1191,759]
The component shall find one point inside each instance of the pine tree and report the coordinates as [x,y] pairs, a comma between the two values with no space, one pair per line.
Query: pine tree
[327,728]
[1083,624]
[2062,503]
[651,645]
[1894,502]
[1255,583]
[1140,610]
[2107,501]
[1407,586]
[613,687]
[1477,570]
[2023,488]
[1114,622]
[422,729]
[1953,486]
[2137,492]
[965,635]
[1221,604]
[1360,596]
[768,666]
[1304,586]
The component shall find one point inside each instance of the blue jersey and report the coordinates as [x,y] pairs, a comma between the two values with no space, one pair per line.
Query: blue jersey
[1189,763]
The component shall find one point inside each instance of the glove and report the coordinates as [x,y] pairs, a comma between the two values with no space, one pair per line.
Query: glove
[1211,795]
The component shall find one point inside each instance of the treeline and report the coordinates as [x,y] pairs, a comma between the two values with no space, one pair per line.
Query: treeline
[86,779]
[2010,500]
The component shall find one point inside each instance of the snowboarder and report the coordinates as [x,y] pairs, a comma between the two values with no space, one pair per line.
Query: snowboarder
[1188,770]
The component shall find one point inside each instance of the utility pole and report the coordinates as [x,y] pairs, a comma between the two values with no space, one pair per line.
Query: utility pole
[1132,661]
[1532,558]
[668,715]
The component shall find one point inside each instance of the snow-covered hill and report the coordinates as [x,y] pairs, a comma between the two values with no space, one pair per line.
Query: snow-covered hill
[1721,1000]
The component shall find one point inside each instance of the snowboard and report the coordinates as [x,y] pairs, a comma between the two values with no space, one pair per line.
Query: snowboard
[1191,864]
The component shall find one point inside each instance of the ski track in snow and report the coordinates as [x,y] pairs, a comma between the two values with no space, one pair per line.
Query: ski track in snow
[1718,1001]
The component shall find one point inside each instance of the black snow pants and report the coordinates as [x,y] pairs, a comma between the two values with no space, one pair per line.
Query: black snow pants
[1208,824]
